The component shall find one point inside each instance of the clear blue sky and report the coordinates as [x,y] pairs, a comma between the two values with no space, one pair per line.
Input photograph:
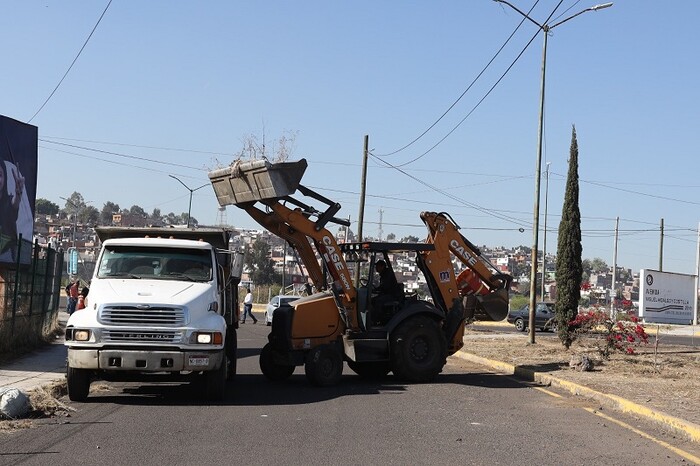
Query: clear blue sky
[184,83]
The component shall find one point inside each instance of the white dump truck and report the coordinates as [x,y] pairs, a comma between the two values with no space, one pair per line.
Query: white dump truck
[162,302]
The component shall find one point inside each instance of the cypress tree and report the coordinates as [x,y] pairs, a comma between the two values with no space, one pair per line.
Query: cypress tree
[569,268]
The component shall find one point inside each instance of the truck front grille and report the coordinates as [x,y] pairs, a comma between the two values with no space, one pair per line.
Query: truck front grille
[119,336]
[152,317]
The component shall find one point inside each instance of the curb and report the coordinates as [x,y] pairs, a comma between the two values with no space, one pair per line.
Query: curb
[689,429]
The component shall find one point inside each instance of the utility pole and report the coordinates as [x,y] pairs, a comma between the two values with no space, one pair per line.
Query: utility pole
[361,215]
[613,293]
[544,230]
[661,248]
[381,218]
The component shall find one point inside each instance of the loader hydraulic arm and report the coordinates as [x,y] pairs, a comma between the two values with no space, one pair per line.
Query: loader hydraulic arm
[299,241]
[329,251]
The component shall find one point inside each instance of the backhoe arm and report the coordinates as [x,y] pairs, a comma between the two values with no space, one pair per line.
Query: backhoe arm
[330,253]
[299,241]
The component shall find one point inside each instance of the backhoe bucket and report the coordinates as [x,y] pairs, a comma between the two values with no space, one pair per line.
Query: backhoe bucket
[492,306]
[256,180]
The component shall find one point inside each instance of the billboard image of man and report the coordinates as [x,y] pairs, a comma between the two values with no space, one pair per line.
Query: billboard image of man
[18,163]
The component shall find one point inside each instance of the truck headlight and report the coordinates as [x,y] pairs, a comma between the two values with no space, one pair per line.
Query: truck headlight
[78,335]
[208,338]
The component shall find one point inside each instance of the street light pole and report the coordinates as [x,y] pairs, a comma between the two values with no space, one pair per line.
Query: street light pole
[189,210]
[544,230]
[545,28]
[75,217]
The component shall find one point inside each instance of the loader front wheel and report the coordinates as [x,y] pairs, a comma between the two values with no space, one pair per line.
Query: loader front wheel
[418,349]
[324,366]
[272,370]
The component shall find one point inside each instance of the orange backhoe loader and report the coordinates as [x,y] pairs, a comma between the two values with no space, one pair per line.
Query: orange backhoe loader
[347,321]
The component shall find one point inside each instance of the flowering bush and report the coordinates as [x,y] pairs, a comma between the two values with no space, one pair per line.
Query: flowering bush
[618,335]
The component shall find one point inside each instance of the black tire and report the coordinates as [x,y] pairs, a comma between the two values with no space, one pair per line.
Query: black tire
[520,325]
[215,381]
[418,350]
[232,353]
[370,370]
[323,366]
[273,371]
[78,381]
[553,326]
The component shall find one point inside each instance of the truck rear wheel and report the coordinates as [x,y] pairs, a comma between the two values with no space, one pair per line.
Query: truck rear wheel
[371,369]
[271,369]
[78,381]
[324,366]
[216,381]
[418,349]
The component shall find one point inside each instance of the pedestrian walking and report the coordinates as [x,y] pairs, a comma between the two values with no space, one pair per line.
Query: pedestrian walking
[248,307]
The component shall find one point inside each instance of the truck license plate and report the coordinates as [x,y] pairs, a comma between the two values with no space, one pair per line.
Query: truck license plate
[199,361]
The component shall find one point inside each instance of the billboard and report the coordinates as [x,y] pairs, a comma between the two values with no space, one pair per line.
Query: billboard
[666,297]
[18,167]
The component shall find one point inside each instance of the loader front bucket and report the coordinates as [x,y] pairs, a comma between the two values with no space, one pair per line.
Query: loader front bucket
[492,306]
[256,180]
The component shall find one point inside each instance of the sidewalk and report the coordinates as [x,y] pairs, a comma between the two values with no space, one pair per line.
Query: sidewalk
[40,367]
[48,364]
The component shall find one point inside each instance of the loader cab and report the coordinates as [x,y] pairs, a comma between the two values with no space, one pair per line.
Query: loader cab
[377,305]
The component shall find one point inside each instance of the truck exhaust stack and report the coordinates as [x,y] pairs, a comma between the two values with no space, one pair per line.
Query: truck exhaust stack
[256,180]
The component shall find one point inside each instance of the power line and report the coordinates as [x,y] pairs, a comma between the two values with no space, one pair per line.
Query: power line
[173,149]
[73,63]
[475,106]
[463,93]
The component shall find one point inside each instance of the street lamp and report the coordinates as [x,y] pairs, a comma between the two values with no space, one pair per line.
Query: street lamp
[189,211]
[545,28]
[75,216]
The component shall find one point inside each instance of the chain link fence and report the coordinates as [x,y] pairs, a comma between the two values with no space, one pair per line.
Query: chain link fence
[29,297]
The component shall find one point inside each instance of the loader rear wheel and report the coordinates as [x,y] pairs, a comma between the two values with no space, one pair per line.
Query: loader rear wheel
[272,370]
[78,381]
[418,350]
[370,370]
[324,366]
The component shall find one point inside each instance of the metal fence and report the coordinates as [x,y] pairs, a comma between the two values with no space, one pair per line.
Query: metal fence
[30,290]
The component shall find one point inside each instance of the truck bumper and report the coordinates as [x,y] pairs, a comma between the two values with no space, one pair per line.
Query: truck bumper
[144,361]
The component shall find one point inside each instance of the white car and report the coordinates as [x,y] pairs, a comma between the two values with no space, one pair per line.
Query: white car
[276,302]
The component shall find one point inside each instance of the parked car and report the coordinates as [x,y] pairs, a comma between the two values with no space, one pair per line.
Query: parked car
[544,317]
[276,302]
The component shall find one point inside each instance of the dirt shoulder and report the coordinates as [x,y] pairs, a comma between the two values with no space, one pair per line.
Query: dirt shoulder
[664,378]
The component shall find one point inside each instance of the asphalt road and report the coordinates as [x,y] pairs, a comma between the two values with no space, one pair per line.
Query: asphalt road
[468,416]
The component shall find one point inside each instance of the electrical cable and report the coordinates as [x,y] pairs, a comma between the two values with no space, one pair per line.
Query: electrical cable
[73,63]
[465,91]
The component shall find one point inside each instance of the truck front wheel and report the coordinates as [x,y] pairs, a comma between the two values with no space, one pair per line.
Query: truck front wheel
[78,381]
[418,349]
[216,381]
[272,370]
[324,366]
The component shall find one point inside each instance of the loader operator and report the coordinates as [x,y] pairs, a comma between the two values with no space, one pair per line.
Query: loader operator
[389,291]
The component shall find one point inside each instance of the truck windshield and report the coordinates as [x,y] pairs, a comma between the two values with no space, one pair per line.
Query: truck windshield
[137,262]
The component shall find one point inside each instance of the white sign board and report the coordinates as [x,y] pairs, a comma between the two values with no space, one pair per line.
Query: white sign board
[666,297]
